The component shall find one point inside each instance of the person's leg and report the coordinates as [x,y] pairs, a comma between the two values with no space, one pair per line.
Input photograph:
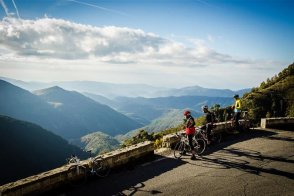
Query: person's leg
[208,131]
[190,138]
[238,114]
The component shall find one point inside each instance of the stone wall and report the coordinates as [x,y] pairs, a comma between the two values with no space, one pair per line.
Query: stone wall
[171,139]
[59,176]
[277,122]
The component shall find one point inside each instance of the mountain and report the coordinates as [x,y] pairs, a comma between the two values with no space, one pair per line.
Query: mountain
[30,86]
[273,97]
[86,113]
[108,90]
[98,142]
[149,109]
[200,91]
[172,118]
[111,90]
[101,99]
[21,104]
[68,114]
[28,149]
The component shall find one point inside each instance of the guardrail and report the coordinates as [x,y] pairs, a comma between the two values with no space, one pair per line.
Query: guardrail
[59,176]
[277,122]
[171,139]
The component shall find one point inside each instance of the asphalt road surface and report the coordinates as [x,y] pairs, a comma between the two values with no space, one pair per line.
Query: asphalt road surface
[259,162]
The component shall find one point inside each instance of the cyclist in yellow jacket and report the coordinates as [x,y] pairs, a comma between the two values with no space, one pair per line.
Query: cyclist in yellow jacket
[237,110]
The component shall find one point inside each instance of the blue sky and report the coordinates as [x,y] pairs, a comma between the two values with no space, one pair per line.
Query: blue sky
[185,42]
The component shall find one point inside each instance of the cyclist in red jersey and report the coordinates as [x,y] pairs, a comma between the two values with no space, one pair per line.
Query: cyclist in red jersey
[190,130]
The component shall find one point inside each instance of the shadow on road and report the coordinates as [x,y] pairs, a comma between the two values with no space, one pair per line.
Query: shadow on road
[230,139]
[228,163]
[281,138]
[238,158]
[124,182]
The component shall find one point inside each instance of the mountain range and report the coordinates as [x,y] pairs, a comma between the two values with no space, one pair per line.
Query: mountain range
[111,90]
[87,118]
[146,110]
[66,113]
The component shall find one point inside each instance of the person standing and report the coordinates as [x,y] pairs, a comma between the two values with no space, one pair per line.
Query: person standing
[190,131]
[237,112]
[208,123]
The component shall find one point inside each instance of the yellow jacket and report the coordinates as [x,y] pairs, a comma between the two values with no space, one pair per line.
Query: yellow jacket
[238,105]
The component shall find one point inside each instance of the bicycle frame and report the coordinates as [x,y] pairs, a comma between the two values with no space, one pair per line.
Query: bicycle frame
[183,145]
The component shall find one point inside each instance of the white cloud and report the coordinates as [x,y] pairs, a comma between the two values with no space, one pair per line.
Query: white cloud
[72,51]
[61,39]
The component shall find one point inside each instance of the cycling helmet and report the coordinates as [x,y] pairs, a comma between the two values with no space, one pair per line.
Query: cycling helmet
[205,107]
[236,96]
[187,112]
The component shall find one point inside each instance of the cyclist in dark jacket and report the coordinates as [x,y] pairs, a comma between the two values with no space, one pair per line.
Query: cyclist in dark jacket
[190,130]
[208,123]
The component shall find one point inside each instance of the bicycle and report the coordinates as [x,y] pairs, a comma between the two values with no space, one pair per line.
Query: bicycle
[98,166]
[78,173]
[202,134]
[183,145]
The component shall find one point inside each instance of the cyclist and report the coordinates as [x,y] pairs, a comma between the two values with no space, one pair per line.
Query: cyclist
[208,123]
[190,130]
[237,110]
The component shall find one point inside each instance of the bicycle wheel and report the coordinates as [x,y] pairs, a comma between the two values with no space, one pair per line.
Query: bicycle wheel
[77,175]
[101,168]
[199,146]
[179,149]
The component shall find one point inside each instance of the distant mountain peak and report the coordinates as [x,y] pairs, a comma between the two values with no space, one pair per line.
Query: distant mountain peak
[53,89]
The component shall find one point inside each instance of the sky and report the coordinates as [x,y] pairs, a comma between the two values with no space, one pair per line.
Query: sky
[231,44]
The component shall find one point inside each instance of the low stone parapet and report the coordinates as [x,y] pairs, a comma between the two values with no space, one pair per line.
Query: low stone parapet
[171,139]
[277,122]
[59,176]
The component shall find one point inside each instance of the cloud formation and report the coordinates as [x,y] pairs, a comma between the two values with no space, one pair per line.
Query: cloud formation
[60,39]
[50,49]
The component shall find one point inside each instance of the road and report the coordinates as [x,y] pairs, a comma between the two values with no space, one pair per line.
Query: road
[259,162]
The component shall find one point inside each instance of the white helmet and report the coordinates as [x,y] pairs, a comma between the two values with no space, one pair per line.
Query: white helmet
[205,107]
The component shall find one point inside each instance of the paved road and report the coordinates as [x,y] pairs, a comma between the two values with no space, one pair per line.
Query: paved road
[255,163]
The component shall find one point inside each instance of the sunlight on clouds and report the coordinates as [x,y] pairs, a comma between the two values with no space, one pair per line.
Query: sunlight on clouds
[61,39]
[54,49]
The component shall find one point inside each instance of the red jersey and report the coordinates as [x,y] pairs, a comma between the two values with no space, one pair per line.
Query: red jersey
[190,129]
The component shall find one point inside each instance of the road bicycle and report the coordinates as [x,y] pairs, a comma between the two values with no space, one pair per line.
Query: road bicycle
[202,134]
[183,146]
[78,173]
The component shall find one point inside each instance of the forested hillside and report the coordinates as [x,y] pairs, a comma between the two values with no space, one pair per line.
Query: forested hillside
[273,98]
[28,149]
[99,142]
